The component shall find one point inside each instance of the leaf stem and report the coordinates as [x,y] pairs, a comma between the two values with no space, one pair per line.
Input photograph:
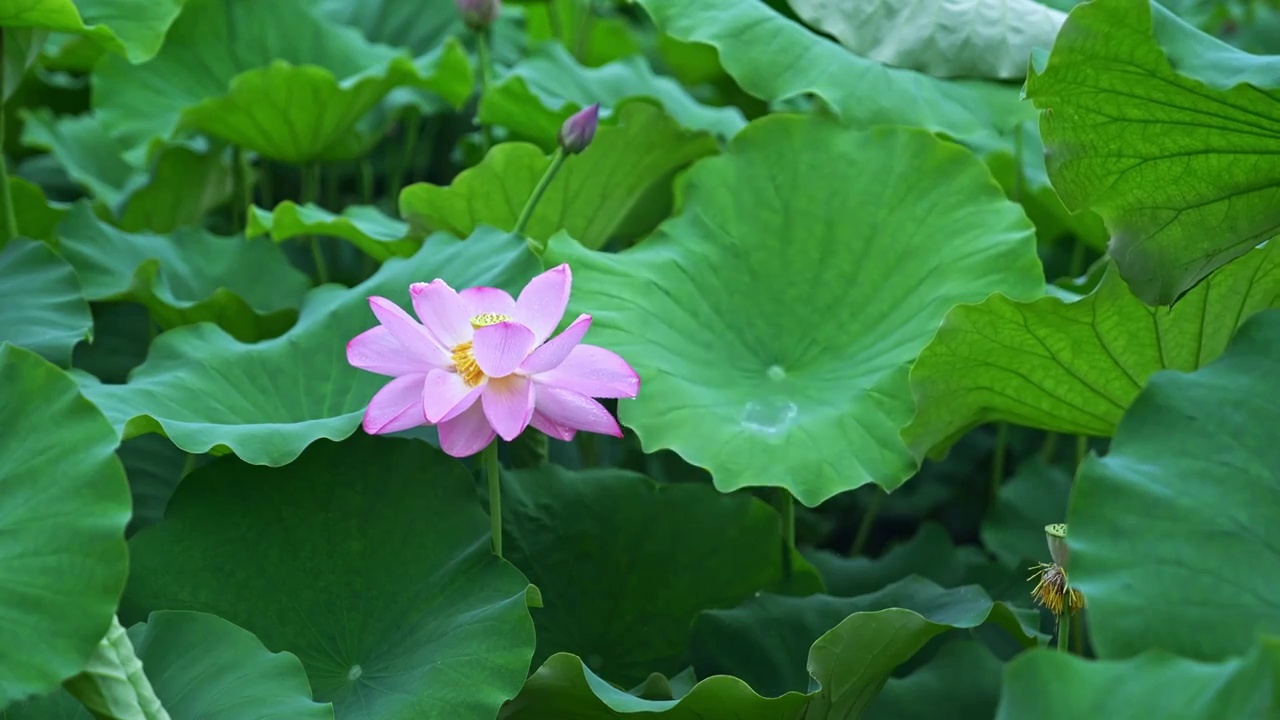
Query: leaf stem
[997,460]
[113,683]
[366,180]
[785,504]
[311,189]
[553,17]
[8,221]
[240,200]
[1050,447]
[868,519]
[486,82]
[411,126]
[526,214]
[1064,623]
[584,29]
[1082,449]
[492,470]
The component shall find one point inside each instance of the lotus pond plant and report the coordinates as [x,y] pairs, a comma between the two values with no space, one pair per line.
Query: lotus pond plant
[416,359]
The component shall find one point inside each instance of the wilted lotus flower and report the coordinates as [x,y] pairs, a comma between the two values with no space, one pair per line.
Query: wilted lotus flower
[479,14]
[481,364]
[1054,589]
[578,129]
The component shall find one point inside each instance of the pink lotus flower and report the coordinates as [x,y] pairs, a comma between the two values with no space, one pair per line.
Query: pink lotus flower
[481,364]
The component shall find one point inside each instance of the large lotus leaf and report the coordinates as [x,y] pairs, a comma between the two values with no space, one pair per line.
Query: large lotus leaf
[548,85]
[1172,136]
[1186,506]
[36,217]
[1074,365]
[202,667]
[294,96]
[930,553]
[944,38]
[246,287]
[183,183]
[64,504]
[379,576]
[1013,528]
[774,319]
[41,306]
[596,195]
[1058,686]
[565,689]
[964,678]
[133,28]
[611,35]
[765,640]
[211,393]
[566,530]
[415,25]
[776,59]
[364,226]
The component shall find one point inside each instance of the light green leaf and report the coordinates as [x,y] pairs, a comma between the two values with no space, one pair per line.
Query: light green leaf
[964,678]
[63,509]
[294,96]
[1073,367]
[379,577]
[1174,534]
[778,60]
[416,25]
[1013,529]
[368,228]
[181,185]
[246,287]
[133,28]
[37,217]
[773,320]
[1058,686]
[203,668]
[41,306]
[1170,135]
[564,689]
[765,640]
[943,38]
[567,531]
[209,392]
[621,184]
[548,85]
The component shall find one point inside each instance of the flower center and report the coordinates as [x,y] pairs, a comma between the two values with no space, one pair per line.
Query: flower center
[464,359]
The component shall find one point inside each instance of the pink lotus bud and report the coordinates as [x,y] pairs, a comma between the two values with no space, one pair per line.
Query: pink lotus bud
[479,14]
[577,131]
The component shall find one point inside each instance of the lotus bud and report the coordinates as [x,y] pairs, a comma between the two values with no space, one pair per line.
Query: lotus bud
[577,131]
[479,14]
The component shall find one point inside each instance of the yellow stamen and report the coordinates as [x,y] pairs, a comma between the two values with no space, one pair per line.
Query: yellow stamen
[1054,591]
[485,319]
[464,361]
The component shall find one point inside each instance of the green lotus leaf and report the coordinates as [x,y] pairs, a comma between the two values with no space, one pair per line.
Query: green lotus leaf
[1013,529]
[132,28]
[776,59]
[417,26]
[41,306]
[122,332]
[379,578]
[1074,365]
[566,531]
[977,39]
[765,640]
[154,468]
[293,96]
[610,36]
[246,287]
[63,509]
[183,183]
[774,319]
[1170,135]
[964,678]
[209,392]
[620,186]
[536,95]
[1186,505]
[1058,686]
[930,553]
[36,216]
[364,226]
[202,667]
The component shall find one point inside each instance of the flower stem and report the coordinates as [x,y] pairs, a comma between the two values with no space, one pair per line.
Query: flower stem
[868,519]
[526,214]
[489,458]
[1064,625]
[997,460]
[8,221]
[486,82]
[786,507]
